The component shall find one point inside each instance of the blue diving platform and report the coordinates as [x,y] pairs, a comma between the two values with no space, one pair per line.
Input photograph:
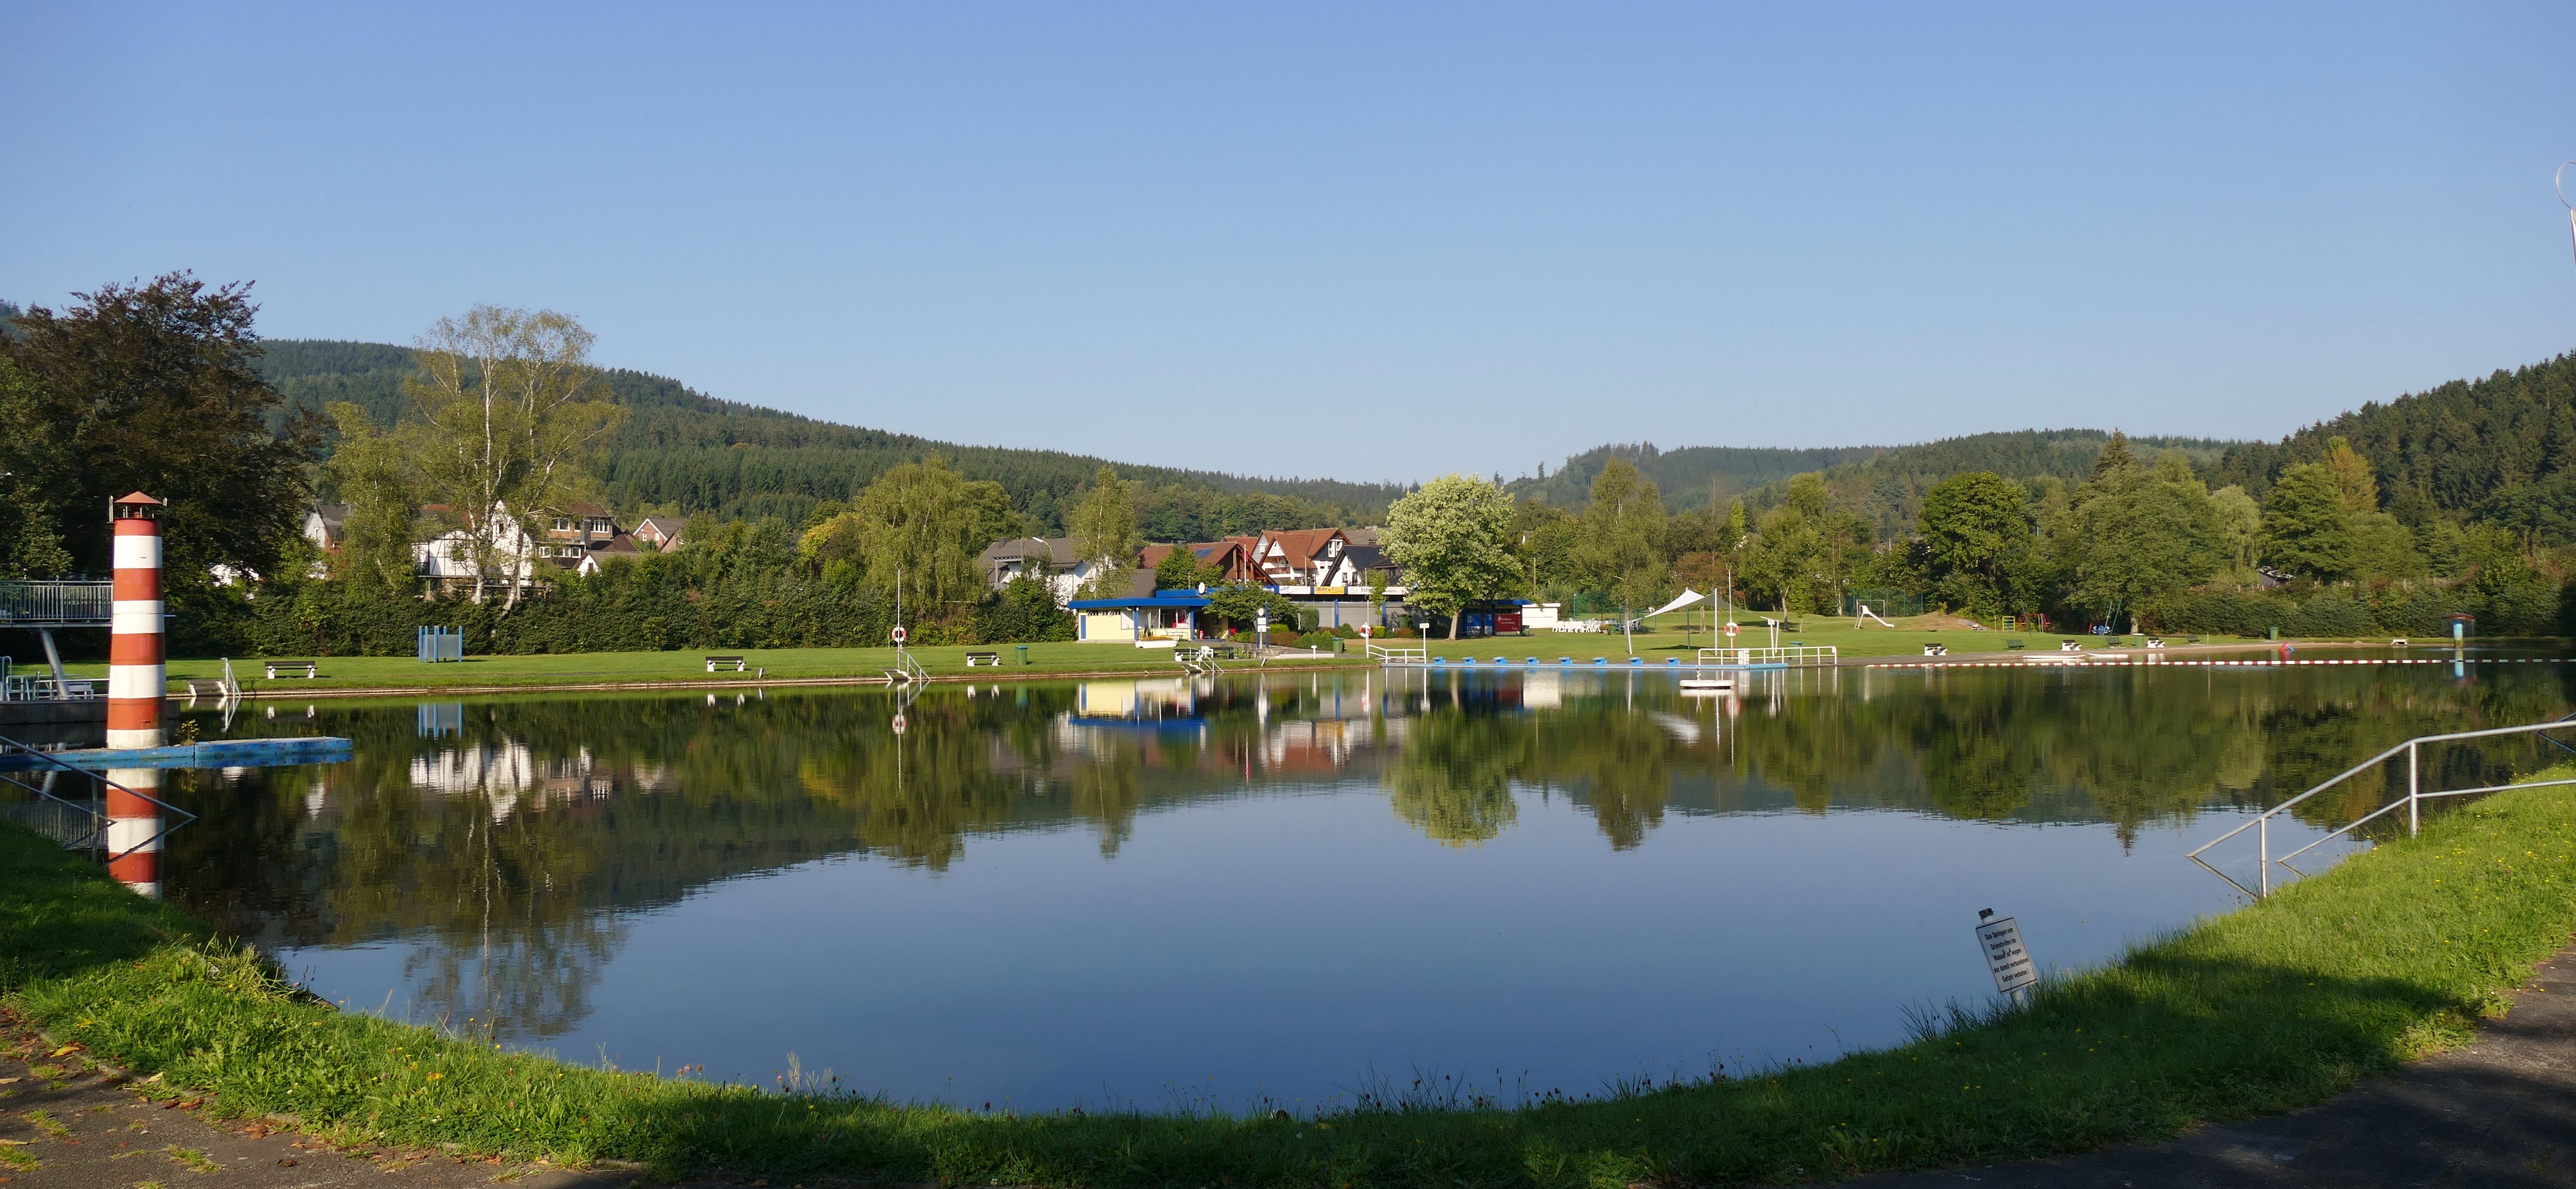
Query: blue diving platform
[216,753]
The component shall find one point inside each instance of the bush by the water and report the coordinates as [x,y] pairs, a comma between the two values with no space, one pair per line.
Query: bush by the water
[740,588]
[2526,604]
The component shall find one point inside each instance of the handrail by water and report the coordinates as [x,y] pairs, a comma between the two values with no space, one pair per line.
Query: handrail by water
[98,817]
[1400,656]
[1778,655]
[2413,801]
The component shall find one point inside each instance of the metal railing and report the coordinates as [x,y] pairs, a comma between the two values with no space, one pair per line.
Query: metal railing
[1400,656]
[65,813]
[1790,655]
[56,604]
[2412,802]
[21,687]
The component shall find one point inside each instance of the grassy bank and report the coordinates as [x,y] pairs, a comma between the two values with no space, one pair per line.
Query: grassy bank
[2393,953]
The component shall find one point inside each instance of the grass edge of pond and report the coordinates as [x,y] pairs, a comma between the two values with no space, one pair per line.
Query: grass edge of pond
[2391,955]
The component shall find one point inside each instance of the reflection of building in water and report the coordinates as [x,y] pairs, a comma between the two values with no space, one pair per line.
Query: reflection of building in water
[1172,698]
[510,774]
[456,771]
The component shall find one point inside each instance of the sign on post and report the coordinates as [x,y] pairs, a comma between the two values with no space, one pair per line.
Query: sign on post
[2005,957]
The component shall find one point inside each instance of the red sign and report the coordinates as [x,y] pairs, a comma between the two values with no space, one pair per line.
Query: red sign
[1506,621]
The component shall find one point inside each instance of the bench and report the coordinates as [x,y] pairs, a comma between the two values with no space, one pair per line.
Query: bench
[308,668]
[717,662]
[983,658]
[2015,645]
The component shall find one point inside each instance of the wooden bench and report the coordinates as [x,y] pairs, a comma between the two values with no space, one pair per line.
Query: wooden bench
[2015,645]
[309,669]
[983,658]
[739,664]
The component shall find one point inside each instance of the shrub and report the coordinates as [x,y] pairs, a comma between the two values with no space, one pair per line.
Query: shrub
[2332,612]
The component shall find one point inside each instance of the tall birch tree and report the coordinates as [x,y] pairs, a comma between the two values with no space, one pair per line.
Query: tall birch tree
[511,411]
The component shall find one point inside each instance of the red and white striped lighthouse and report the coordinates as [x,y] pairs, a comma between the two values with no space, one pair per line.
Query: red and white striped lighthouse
[135,681]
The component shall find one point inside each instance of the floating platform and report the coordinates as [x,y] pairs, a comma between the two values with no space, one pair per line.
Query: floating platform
[219,753]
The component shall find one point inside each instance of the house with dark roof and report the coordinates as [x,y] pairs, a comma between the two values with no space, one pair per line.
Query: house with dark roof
[324,525]
[661,534]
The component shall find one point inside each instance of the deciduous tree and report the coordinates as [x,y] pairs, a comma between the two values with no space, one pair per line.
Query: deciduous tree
[152,387]
[1621,547]
[1977,538]
[920,526]
[511,412]
[2132,532]
[1104,531]
[1452,536]
[2305,528]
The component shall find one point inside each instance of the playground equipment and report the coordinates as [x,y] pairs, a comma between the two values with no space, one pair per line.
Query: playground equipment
[1867,614]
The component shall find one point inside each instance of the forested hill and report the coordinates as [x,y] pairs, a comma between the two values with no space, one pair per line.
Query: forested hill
[1688,476]
[683,451]
[1884,484]
[2501,450]
[1887,490]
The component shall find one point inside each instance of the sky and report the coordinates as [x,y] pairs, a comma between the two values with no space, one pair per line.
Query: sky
[1362,241]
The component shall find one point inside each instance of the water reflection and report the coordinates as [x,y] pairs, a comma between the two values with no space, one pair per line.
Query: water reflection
[494,858]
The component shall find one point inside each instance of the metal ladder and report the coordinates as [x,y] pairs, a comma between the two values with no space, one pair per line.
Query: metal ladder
[2412,802]
[79,825]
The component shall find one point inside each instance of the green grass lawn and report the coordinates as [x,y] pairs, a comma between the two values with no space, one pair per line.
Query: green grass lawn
[2392,954]
[348,672]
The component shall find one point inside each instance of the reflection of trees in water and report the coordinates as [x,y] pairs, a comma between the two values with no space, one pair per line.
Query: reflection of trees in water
[1453,780]
[2127,746]
[503,848]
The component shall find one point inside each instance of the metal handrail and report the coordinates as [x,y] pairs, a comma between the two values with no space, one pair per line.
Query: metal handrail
[8,745]
[2413,801]
[1399,655]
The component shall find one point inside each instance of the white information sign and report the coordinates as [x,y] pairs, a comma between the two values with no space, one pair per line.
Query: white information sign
[2011,964]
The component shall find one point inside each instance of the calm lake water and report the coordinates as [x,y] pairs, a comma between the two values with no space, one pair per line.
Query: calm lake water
[1298,889]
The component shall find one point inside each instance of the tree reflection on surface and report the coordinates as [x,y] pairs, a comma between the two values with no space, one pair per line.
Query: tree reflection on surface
[502,846]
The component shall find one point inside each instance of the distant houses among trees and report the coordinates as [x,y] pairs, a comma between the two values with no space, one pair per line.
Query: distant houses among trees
[475,480]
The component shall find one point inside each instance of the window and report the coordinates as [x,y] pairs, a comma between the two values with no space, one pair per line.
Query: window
[563,524]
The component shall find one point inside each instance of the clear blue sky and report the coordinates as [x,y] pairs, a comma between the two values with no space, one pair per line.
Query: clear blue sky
[1373,241]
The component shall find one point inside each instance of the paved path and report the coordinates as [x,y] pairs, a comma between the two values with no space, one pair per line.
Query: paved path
[2499,1114]
[81,1127]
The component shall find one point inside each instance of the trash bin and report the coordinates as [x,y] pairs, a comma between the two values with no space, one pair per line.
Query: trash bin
[2271,633]
[1024,654]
